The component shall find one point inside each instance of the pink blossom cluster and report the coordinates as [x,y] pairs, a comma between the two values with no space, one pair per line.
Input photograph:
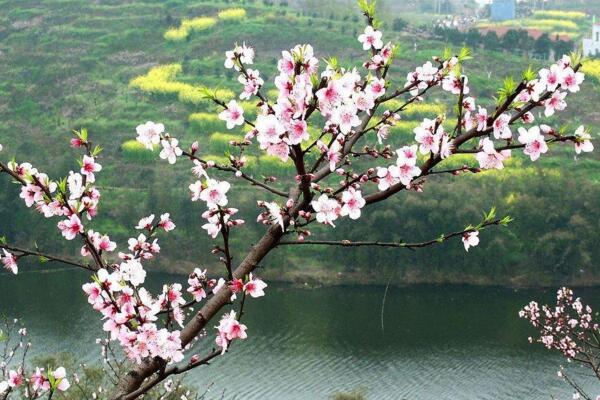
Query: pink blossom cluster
[15,378]
[130,311]
[229,327]
[567,326]
[9,261]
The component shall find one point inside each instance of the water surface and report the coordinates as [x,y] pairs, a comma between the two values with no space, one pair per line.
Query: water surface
[433,342]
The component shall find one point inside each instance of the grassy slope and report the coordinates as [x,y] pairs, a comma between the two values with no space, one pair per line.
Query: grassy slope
[67,64]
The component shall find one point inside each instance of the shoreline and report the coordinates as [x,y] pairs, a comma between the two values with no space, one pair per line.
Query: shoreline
[318,277]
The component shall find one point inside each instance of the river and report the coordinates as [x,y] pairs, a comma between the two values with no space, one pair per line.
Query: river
[422,343]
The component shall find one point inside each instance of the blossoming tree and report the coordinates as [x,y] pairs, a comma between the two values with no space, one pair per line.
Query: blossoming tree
[568,327]
[340,172]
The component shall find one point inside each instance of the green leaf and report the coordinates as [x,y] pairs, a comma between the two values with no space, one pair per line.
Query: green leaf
[464,54]
[447,53]
[43,259]
[529,74]
[3,240]
[97,150]
[487,217]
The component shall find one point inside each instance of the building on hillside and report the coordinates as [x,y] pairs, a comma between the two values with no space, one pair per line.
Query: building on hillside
[591,46]
[502,10]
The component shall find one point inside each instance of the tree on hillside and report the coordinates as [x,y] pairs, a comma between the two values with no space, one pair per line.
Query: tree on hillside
[343,167]
[491,41]
[542,46]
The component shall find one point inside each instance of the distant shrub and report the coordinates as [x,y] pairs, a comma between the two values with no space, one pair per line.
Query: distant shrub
[205,122]
[134,151]
[592,68]
[176,34]
[232,14]
[559,14]
[187,26]
[219,142]
[271,165]
[161,80]
[198,23]
[416,110]
[546,25]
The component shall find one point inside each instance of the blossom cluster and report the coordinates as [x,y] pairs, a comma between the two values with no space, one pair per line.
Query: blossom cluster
[9,261]
[13,378]
[567,326]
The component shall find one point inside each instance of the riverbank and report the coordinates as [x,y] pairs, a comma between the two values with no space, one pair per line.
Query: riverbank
[312,276]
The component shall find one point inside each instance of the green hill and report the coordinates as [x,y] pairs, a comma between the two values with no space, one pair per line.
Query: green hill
[110,65]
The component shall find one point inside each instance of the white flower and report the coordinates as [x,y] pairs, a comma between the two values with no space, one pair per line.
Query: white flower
[170,150]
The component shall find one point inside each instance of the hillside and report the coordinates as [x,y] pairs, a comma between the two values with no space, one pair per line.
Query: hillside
[129,62]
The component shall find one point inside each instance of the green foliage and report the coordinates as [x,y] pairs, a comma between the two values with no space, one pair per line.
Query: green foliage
[134,151]
[232,14]
[219,142]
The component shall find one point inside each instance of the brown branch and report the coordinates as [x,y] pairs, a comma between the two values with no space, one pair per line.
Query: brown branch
[243,175]
[35,253]
[411,246]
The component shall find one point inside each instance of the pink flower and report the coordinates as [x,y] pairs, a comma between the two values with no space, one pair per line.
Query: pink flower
[145,223]
[481,118]
[345,117]
[376,87]
[196,189]
[364,102]
[101,242]
[387,177]
[88,167]
[582,141]
[535,145]
[280,150]
[166,223]
[353,202]
[334,154]
[571,80]
[149,134]
[327,209]
[489,158]
[9,261]
[170,150]
[133,272]
[371,38]
[454,84]
[470,239]
[39,381]
[70,227]
[424,135]
[255,287]
[232,328]
[61,382]
[552,77]
[31,194]
[298,132]
[269,129]
[501,127]
[15,379]
[196,283]
[233,115]
[215,193]
[555,103]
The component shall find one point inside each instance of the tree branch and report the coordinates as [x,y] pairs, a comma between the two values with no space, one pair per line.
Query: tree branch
[411,246]
[35,253]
